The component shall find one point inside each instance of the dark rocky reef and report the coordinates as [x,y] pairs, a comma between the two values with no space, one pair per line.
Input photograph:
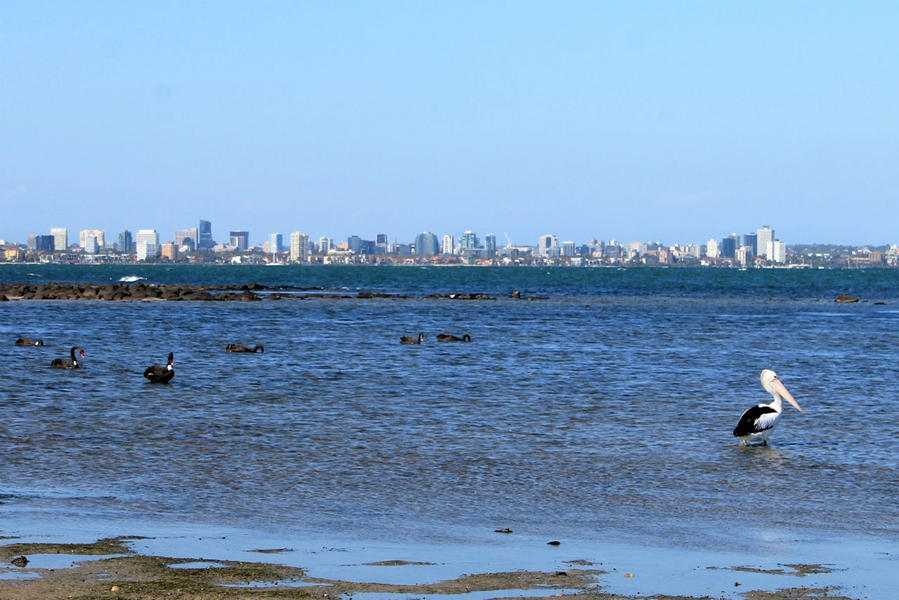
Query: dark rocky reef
[121,291]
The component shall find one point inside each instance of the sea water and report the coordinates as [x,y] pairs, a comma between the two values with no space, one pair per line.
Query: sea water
[602,409]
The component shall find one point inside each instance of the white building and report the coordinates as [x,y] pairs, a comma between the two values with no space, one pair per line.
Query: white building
[299,247]
[764,236]
[324,244]
[448,245]
[147,241]
[777,251]
[711,248]
[60,238]
[546,243]
[91,240]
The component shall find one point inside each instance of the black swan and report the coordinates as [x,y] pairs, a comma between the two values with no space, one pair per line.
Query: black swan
[68,363]
[242,348]
[29,342]
[405,339]
[157,374]
[448,337]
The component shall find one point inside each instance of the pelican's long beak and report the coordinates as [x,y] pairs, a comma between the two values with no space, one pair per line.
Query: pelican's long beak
[781,389]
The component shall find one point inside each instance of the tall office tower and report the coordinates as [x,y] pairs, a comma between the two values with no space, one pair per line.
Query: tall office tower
[324,244]
[763,236]
[468,241]
[60,238]
[752,240]
[490,244]
[426,244]
[711,248]
[729,246]
[299,247]
[240,239]
[41,243]
[205,230]
[125,241]
[188,238]
[448,246]
[275,242]
[546,243]
[354,243]
[568,248]
[147,244]
[84,238]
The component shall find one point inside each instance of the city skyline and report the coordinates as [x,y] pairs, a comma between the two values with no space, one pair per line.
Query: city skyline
[660,121]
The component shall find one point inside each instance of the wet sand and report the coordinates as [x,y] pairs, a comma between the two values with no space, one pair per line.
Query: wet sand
[121,568]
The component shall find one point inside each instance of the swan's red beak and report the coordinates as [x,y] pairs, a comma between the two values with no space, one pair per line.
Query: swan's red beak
[81,353]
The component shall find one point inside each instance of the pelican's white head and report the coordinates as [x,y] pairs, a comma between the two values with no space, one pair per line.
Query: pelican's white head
[775,387]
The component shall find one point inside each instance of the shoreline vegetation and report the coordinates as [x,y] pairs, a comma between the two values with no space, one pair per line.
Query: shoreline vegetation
[110,568]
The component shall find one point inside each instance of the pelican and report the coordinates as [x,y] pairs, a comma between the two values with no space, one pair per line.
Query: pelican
[757,422]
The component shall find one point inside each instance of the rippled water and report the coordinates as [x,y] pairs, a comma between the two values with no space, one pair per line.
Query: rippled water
[583,415]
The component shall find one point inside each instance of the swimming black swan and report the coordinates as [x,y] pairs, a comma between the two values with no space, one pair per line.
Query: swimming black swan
[405,339]
[29,342]
[448,337]
[242,348]
[157,374]
[68,363]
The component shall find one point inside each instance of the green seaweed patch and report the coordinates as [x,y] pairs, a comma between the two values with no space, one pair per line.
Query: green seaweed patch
[795,594]
[795,570]
[105,546]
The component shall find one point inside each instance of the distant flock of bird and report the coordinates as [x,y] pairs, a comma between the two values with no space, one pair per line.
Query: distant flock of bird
[754,427]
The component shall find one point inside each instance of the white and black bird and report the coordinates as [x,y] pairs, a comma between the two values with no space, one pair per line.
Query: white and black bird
[756,423]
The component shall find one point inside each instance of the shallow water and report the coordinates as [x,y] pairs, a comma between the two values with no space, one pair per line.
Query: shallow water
[581,416]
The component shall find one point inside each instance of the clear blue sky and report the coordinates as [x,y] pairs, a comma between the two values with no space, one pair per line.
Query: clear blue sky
[668,121]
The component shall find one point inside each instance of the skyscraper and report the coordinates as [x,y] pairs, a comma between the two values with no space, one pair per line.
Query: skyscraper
[206,242]
[276,242]
[299,247]
[324,244]
[60,238]
[426,244]
[147,244]
[125,241]
[490,244]
[240,240]
[188,238]
[469,241]
[448,246]
[546,244]
[764,236]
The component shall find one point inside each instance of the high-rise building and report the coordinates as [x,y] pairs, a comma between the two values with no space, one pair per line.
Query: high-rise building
[711,248]
[751,240]
[426,244]
[147,244]
[41,243]
[324,244]
[240,240]
[299,247]
[205,230]
[276,242]
[546,243]
[354,244]
[468,241]
[729,246]
[567,248]
[764,235]
[84,239]
[490,244]
[60,238]
[448,246]
[187,238]
[125,241]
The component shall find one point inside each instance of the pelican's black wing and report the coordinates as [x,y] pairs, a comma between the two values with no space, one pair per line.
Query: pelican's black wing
[755,420]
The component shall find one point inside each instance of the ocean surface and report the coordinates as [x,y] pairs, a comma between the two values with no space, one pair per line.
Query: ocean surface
[602,410]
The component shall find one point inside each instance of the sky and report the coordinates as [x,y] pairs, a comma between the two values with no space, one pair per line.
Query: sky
[656,121]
